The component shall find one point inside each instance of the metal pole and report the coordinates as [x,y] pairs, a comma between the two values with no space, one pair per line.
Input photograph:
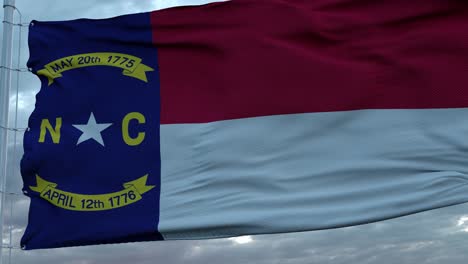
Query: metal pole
[5,85]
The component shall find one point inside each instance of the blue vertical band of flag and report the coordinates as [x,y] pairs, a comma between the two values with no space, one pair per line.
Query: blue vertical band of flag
[89,168]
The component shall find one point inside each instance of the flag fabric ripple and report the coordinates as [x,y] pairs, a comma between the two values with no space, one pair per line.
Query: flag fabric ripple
[245,117]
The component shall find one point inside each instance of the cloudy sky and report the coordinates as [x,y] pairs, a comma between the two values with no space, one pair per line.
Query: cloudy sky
[439,236]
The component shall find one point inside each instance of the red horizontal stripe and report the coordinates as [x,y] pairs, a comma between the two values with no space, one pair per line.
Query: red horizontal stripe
[249,58]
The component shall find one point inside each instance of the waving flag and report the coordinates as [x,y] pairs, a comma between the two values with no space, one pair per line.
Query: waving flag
[245,117]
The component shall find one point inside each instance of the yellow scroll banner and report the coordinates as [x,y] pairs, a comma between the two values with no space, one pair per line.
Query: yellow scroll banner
[131,65]
[131,193]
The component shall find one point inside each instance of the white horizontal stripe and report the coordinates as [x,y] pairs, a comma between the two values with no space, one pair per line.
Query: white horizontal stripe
[310,171]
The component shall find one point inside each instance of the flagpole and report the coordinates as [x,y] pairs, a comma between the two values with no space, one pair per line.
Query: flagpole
[5,85]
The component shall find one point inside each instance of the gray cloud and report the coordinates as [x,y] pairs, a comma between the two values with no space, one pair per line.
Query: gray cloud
[432,237]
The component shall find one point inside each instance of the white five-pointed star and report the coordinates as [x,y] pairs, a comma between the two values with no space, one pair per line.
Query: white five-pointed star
[92,130]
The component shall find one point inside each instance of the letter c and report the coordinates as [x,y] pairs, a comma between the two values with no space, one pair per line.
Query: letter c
[133,141]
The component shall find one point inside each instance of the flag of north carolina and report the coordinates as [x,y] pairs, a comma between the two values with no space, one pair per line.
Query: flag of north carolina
[245,117]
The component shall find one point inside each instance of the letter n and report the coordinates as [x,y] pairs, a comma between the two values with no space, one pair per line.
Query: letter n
[54,132]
